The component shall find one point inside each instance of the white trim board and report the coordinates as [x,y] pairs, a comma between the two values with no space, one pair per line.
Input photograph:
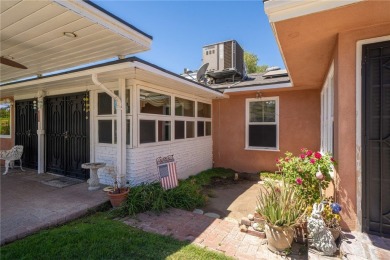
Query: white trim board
[258,87]
[359,180]
[279,10]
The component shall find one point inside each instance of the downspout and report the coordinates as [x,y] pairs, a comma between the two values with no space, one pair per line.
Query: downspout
[119,111]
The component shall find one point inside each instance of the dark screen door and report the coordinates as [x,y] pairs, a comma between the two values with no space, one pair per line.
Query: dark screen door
[376,137]
[67,135]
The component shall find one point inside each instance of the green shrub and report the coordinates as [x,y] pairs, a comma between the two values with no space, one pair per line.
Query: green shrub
[188,195]
[271,175]
[309,172]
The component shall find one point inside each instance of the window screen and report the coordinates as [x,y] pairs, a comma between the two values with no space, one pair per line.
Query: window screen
[179,129]
[105,131]
[147,131]
[104,104]
[262,135]
[204,110]
[200,128]
[190,129]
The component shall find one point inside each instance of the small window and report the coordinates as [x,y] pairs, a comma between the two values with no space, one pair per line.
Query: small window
[204,110]
[105,131]
[154,103]
[104,104]
[147,131]
[128,101]
[179,130]
[262,123]
[208,128]
[164,131]
[128,129]
[184,107]
[200,128]
[190,129]
[5,119]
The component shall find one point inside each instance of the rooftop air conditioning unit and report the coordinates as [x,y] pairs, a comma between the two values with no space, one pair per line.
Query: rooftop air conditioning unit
[226,61]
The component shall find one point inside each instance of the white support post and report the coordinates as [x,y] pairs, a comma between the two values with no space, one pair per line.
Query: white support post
[41,132]
[121,127]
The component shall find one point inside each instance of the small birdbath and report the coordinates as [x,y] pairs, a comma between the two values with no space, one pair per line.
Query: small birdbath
[93,180]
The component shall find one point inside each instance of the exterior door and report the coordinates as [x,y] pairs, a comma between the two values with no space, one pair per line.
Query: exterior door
[376,137]
[67,133]
[26,125]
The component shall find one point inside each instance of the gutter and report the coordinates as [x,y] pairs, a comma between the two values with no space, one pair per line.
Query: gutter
[121,147]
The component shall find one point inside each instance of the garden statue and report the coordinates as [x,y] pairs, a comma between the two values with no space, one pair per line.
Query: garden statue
[322,237]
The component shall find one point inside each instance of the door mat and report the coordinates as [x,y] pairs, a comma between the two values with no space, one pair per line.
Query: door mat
[62,182]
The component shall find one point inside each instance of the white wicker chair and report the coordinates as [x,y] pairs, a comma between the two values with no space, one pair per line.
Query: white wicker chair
[12,155]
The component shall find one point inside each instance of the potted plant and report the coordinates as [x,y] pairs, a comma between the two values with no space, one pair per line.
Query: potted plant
[117,194]
[281,207]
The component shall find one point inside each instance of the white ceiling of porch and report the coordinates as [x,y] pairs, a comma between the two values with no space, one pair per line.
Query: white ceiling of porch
[32,33]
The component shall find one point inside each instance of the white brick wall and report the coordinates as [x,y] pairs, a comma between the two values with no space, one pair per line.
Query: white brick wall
[192,156]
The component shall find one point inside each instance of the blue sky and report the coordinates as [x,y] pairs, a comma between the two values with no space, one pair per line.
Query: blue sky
[181,28]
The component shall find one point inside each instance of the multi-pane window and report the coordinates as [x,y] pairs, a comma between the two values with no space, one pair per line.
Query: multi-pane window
[262,117]
[106,117]
[154,103]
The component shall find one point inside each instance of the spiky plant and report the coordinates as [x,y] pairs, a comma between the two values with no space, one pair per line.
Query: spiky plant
[280,205]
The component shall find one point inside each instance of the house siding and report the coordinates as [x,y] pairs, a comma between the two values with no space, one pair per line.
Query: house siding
[299,126]
[192,157]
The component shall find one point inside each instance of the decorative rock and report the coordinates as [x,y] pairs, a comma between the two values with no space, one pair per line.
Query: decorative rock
[198,211]
[243,228]
[250,217]
[245,221]
[236,176]
[212,215]
[253,232]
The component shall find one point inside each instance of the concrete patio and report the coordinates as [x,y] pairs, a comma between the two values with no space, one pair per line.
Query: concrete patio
[29,205]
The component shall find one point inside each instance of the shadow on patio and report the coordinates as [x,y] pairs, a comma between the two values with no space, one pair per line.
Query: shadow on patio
[31,202]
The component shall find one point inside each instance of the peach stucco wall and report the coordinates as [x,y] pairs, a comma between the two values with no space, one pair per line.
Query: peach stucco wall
[345,117]
[299,123]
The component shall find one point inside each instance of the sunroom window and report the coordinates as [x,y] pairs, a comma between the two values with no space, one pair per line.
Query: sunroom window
[262,123]
[106,118]
[154,103]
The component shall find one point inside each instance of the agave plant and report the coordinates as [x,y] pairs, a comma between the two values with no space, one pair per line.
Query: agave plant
[280,205]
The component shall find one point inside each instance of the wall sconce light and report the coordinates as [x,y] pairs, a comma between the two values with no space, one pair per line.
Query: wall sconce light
[35,105]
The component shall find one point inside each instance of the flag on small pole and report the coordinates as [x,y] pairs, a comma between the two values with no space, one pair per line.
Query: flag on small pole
[167,172]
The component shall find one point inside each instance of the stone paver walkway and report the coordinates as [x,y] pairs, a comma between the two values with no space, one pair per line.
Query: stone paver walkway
[216,234]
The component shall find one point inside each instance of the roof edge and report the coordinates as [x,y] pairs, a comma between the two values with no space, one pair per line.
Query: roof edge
[279,10]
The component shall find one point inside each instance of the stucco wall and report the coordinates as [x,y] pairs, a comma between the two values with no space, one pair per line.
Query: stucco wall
[345,118]
[299,123]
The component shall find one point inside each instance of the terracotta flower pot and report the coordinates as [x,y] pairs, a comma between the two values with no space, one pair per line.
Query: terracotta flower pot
[279,238]
[117,199]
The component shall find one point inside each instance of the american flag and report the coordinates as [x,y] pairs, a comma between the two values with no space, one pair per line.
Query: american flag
[168,175]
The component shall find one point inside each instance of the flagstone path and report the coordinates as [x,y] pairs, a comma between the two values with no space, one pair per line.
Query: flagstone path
[216,234]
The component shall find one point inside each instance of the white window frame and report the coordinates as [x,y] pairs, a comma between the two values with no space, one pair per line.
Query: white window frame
[10,103]
[172,117]
[113,118]
[327,113]
[247,123]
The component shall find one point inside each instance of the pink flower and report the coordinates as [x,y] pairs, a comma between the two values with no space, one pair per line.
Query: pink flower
[277,160]
[299,181]
[303,156]
[332,159]
[312,161]
[317,155]
[308,153]
[287,159]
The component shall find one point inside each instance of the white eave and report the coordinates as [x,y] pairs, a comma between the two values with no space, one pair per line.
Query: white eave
[279,10]
[32,33]
[258,88]
[132,69]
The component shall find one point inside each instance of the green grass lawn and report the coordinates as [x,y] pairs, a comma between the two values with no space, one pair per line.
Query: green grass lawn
[99,237]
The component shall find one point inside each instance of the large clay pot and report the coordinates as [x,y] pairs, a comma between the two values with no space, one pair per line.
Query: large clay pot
[117,199]
[279,239]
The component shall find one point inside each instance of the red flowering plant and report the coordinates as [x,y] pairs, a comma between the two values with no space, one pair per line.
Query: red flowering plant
[309,171]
